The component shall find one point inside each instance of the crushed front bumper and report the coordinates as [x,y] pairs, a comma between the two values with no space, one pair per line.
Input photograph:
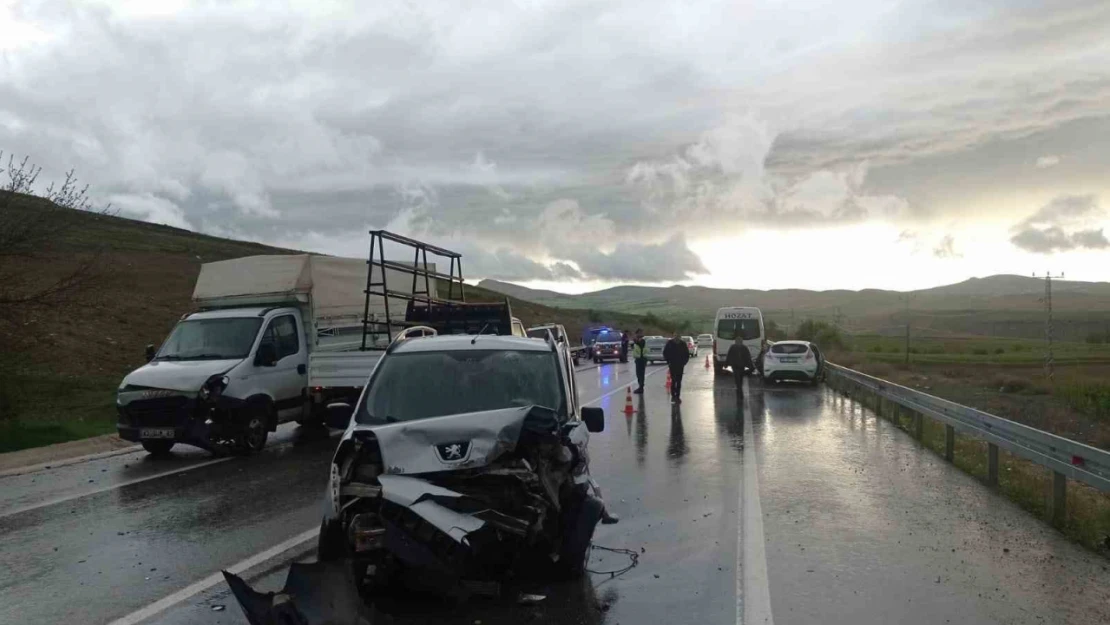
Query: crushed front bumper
[194,422]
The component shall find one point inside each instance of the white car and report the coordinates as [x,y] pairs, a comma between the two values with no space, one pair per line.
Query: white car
[793,360]
[653,347]
[691,344]
[705,341]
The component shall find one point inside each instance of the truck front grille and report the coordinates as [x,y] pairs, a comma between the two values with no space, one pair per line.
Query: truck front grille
[161,411]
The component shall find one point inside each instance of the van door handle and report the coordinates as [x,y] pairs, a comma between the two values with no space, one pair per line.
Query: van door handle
[301,369]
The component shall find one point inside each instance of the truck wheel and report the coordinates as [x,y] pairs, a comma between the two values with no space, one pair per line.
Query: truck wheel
[253,438]
[158,448]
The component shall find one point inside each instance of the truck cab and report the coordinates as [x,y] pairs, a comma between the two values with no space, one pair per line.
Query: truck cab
[222,380]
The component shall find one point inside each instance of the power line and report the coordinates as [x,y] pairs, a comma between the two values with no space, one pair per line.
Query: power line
[1049,361]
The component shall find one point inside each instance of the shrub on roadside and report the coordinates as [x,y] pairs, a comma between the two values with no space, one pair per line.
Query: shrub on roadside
[980,351]
[1000,350]
[827,336]
[1091,398]
[1009,384]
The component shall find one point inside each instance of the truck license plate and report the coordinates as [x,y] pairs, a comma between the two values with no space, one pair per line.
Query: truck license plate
[156,433]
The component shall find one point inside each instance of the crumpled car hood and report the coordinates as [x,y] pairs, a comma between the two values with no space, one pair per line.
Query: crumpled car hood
[463,441]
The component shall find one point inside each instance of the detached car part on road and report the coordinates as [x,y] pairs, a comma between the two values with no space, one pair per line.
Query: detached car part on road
[464,469]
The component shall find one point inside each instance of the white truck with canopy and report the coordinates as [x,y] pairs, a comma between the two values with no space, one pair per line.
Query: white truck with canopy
[266,330]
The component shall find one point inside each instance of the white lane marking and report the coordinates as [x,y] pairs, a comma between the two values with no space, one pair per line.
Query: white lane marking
[619,388]
[102,489]
[138,480]
[65,462]
[169,601]
[753,593]
[198,587]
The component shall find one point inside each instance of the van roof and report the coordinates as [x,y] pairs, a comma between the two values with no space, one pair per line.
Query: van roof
[233,313]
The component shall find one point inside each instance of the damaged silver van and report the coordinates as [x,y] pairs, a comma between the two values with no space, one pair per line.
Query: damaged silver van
[464,467]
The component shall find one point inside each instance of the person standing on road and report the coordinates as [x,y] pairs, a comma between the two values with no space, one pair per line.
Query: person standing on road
[740,359]
[677,354]
[639,355]
[624,346]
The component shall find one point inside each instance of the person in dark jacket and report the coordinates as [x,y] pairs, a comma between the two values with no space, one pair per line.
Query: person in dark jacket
[624,346]
[639,356]
[677,354]
[740,359]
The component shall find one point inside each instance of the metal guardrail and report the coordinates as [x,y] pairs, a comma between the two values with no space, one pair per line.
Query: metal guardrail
[1066,458]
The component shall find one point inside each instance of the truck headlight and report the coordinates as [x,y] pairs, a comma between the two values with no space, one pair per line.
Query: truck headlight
[213,387]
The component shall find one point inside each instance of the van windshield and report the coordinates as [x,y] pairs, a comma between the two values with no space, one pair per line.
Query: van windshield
[608,336]
[211,339]
[465,381]
[738,329]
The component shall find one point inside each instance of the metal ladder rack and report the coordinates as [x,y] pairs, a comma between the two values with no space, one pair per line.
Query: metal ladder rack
[420,295]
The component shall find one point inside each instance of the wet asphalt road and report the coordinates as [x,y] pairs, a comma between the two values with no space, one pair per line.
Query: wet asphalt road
[858,525]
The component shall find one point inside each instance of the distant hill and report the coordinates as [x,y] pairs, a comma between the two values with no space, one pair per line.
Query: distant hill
[1003,305]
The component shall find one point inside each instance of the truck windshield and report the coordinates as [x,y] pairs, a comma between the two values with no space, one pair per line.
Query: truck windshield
[742,329]
[211,339]
[420,385]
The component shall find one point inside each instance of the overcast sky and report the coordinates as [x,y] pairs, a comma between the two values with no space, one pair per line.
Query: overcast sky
[574,145]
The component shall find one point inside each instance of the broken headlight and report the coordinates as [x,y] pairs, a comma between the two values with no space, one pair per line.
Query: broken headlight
[213,387]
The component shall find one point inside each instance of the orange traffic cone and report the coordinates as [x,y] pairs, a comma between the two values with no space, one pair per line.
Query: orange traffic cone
[707,361]
[628,409]
[668,378]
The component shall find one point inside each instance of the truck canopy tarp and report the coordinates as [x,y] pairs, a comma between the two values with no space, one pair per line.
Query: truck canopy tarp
[334,286]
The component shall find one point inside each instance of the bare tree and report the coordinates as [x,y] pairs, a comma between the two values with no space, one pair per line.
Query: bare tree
[32,229]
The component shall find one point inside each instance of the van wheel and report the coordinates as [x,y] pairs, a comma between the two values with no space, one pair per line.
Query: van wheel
[256,429]
[158,448]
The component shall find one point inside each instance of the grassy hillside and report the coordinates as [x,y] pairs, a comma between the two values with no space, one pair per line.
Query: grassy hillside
[999,306]
[62,363]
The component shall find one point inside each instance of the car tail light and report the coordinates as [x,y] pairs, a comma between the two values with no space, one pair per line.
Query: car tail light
[809,354]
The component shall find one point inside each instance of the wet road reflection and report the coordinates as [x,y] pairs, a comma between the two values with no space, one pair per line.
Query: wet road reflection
[860,523]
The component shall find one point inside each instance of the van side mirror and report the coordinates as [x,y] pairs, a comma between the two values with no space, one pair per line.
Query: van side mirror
[594,418]
[338,415]
[266,355]
[150,353]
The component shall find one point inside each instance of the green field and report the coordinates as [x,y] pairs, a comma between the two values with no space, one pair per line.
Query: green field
[982,349]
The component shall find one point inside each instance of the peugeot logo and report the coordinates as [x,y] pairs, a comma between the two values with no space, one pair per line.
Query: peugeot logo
[453,453]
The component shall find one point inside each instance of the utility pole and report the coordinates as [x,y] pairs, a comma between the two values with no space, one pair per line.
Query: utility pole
[1049,363]
[907,300]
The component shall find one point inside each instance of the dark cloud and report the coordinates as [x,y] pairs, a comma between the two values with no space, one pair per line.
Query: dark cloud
[1054,239]
[1063,209]
[946,248]
[669,261]
[529,130]
[508,265]
[1061,225]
